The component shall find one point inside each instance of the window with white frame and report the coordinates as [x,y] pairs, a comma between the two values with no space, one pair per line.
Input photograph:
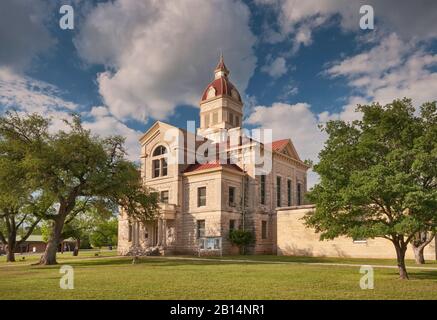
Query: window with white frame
[164,196]
[159,162]
[200,229]
[263,189]
[201,196]
[231,196]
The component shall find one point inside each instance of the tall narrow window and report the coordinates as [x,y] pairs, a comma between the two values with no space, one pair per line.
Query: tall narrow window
[130,232]
[263,189]
[201,196]
[299,194]
[231,225]
[200,228]
[156,168]
[289,192]
[164,196]
[231,118]
[231,196]
[278,191]
[159,162]
[163,167]
[237,121]
[264,229]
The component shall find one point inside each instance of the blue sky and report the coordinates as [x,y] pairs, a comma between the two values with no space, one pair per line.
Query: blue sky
[297,64]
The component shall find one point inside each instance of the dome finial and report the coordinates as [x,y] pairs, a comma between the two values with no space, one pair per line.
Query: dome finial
[221,69]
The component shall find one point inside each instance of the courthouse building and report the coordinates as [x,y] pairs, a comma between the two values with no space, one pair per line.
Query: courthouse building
[210,182]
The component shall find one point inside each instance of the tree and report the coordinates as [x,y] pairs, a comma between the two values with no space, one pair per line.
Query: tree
[72,165]
[104,233]
[15,228]
[76,227]
[373,182]
[20,208]
[425,168]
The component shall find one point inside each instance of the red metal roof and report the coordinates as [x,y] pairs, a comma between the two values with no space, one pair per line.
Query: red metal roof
[222,86]
[279,144]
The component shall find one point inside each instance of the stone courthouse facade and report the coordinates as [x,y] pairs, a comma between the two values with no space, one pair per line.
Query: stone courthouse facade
[205,198]
[210,181]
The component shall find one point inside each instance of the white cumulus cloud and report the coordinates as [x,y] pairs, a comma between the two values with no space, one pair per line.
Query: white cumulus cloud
[21,92]
[27,95]
[275,68]
[391,69]
[160,54]
[297,20]
[104,124]
[295,121]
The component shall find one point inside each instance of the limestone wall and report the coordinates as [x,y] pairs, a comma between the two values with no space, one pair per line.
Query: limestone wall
[294,238]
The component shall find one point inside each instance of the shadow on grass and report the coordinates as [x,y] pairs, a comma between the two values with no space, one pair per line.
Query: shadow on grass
[423,275]
[312,259]
[161,262]
[213,261]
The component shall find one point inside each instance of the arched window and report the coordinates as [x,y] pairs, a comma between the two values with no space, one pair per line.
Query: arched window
[211,93]
[160,150]
[159,162]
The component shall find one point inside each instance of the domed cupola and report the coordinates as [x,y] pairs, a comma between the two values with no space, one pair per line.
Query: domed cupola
[221,107]
[221,86]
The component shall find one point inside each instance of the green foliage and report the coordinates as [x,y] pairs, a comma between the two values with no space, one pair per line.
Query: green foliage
[20,206]
[105,233]
[72,170]
[92,227]
[378,176]
[241,237]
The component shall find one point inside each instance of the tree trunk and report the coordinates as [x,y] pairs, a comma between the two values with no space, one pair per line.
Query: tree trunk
[418,254]
[435,247]
[76,248]
[419,244]
[10,253]
[49,256]
[12,243]
[400,254]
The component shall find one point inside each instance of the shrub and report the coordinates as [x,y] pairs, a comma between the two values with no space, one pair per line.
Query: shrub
[241,238]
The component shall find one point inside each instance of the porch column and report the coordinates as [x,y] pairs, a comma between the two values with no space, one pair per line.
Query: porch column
[164,228]
[159,232]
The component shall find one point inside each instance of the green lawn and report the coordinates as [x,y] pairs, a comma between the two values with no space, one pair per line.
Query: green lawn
[169,278]
[34,257]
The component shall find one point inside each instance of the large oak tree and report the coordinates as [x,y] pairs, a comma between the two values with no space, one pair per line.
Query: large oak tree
[72,165]
[378,176]
[20,207]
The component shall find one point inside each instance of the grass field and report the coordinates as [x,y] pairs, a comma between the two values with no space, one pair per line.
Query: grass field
[261,277]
